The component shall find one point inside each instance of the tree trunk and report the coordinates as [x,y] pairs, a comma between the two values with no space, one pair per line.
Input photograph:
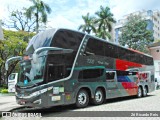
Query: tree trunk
[37,23]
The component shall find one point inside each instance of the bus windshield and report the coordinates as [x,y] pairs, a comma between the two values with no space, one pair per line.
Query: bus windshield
[58,67]
[31,73]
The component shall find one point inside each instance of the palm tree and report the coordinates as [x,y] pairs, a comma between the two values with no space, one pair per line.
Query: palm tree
[39,9]
[88,25]
[104,22]
[102,33]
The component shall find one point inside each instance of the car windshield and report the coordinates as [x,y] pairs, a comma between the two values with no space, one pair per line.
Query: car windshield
[11,76]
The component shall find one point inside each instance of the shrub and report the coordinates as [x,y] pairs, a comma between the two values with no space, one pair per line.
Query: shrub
[4,91]
[3,86]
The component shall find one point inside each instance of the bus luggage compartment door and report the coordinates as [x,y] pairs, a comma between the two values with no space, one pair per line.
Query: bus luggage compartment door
[112,86]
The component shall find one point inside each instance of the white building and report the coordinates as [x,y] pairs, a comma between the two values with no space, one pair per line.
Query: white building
[155,52]
[152,18]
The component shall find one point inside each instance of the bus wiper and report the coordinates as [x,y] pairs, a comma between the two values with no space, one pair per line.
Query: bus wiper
[12,59]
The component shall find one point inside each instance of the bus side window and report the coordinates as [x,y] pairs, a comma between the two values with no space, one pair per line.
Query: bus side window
[56,72]
[110,76]
[94,47]
[90,73]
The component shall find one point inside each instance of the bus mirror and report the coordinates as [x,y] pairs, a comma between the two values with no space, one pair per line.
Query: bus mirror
[39,50]
[12,59]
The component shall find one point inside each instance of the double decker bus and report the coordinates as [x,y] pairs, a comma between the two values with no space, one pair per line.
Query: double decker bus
[62,67]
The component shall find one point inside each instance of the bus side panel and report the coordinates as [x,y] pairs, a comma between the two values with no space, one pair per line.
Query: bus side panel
[124,65]
[55,93]
[127,86]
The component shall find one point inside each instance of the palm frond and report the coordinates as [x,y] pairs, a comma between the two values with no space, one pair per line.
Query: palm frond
[44,17]
[46,7]
[29,11]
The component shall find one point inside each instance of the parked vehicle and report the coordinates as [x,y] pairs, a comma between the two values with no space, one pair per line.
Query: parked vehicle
[157,73]
[12,80]
[157,83]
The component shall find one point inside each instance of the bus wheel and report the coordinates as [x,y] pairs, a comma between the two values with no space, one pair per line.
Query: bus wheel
[82,99]
[98,97]
[139,94]
[145,91]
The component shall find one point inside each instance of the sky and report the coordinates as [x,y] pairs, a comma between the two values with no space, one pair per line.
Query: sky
[68,13]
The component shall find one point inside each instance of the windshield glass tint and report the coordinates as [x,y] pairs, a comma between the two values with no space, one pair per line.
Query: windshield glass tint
[67,39]
[59,65]
[42,39]
[31,72]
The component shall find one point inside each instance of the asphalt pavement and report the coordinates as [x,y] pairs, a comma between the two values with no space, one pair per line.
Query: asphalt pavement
[150,103]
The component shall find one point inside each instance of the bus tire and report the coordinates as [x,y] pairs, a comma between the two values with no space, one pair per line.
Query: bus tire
[82,99]
[139,93]
[98,97]
[145,91]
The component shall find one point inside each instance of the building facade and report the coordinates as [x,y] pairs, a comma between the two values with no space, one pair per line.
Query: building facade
[155,52]
[153,23]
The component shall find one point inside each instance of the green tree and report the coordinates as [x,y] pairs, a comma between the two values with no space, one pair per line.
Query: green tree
[135,34]
[157,40]
[88,25]
[40,10]
[104,22]
[13,45]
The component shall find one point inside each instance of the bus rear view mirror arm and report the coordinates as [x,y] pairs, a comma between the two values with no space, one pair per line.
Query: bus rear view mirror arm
[11,59]
[39,50]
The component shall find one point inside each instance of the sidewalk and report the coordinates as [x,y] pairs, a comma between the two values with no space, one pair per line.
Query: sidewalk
[8,103]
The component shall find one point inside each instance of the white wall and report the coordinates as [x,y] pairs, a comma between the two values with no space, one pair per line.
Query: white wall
[157,69]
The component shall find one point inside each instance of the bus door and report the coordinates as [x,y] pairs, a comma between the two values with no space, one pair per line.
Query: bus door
[55,90]
[112,85]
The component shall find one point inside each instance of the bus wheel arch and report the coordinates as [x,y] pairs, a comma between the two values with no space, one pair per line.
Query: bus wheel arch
[99,96]
[83,97]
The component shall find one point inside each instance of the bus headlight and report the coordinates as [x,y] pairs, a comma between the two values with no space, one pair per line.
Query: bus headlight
[34,94]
